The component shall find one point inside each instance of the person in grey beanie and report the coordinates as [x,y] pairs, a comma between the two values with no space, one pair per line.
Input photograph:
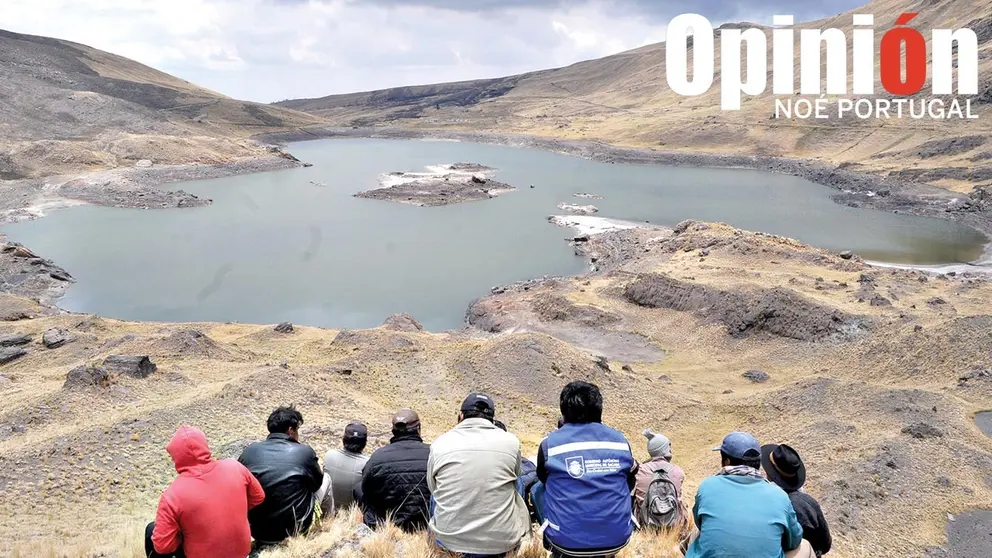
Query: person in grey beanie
[660,450]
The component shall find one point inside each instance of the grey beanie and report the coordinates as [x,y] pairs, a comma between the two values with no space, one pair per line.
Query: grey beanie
[658,444]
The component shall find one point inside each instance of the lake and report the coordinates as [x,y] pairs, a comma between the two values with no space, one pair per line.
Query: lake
[274,247]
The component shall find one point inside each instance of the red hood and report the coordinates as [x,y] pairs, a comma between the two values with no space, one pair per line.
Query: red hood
[188,449]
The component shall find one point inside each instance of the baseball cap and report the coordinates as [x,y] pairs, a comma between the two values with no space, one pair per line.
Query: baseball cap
[406,419]
[356,431]
[478,401]
[740,445]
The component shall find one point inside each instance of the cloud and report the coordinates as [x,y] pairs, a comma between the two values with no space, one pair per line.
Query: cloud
[268,50]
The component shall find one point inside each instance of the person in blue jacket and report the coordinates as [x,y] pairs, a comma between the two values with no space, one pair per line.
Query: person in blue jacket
[740,514]
[586,472]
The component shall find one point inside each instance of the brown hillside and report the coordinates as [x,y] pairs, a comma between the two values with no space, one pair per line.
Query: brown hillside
[66,107]
[625,99]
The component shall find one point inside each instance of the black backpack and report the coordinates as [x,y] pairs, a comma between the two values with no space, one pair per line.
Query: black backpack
[661,508]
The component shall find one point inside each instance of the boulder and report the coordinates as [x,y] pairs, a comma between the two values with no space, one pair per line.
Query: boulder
[11,354]
[60,275]
[879,300]
[847,255]
[923,431]
[134,366]
[86,376]
[402,322]
[756,376]
[56,337]
[14,340]
[603,363]
[284,327]
[22,252]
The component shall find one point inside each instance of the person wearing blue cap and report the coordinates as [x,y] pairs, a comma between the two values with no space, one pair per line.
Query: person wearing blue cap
[739,513]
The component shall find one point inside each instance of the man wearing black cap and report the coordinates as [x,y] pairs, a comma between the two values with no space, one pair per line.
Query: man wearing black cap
[394,481]
[785,468]
[343,467]
[472,473]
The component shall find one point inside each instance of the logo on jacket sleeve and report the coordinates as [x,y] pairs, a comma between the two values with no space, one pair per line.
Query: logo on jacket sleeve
[575,466]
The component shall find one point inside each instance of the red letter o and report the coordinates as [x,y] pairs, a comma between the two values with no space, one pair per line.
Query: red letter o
[916,59]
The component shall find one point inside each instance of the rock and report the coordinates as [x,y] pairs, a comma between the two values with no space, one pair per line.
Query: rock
[879,300]
[477,180]
[728,391]
[704,252]
[917,328]
[936,301]
[847,255]
[11,354]
[363,532]
[402,322]
[603,363]
[60,275]
[284,327]
[143,164]
[22,252]
[56,337]
[133,366]
[14,340]
[581,238]
[627,368]
[974,375]
[86,376]
[923,431]
[578,209]
[756,376]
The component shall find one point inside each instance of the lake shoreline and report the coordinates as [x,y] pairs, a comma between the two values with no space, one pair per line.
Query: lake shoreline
[855,189]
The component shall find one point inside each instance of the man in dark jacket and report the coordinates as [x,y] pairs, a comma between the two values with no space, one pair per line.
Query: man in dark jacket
[290,476]
[394,481]
[785,468]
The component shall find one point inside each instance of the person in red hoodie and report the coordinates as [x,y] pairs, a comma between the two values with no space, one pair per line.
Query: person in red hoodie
[204,512]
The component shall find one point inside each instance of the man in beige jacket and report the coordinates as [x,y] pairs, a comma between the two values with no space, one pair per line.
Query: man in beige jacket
[472,474]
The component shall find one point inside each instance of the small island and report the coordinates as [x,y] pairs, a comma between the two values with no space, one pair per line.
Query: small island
[440,185]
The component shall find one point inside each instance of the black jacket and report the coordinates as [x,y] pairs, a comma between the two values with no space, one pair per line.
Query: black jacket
[290,476]
[395,481]
[810,516]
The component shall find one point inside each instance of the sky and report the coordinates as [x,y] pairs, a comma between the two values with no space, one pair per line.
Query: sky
[270,50]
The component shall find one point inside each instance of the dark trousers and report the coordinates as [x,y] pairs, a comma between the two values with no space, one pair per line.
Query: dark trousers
[150,548]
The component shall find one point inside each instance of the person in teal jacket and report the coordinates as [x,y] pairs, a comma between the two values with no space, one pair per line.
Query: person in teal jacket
[740,514]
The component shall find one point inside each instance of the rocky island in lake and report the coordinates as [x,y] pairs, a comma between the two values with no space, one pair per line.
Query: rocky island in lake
[440,185]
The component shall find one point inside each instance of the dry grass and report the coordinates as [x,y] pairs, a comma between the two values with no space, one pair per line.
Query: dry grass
[337,539]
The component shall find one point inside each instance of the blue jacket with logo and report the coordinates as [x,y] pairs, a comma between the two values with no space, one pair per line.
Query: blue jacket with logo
[588,472]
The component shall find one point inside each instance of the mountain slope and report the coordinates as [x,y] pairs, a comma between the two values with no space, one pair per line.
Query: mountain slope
[66,107]
[624,99]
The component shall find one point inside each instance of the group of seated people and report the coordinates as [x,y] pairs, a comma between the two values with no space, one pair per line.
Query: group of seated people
[475,495]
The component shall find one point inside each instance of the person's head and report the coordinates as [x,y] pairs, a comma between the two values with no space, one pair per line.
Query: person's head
[406,421]
[658,445]
[286,420]
[581,402]
[356,436]
[740,448]
[478,405]
[784,466]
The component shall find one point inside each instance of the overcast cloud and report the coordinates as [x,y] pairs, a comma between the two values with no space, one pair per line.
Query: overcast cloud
[267,50]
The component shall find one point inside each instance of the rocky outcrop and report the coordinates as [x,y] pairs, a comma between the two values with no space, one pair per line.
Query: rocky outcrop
[86,376]
[133,366]
[441,185]
[756,376]
[776,311]
[284,327]
[402,322]
[11,354]
[56,337]
[14,340]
